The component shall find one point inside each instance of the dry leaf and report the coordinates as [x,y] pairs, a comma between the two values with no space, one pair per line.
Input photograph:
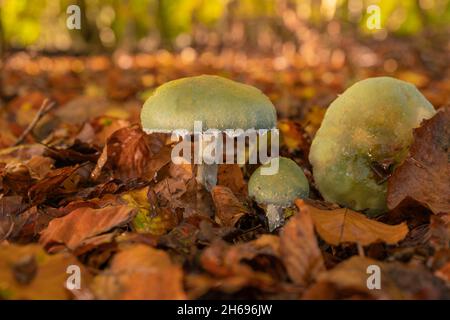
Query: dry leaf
[230,175]
[27,272]
[150,218]
[425,175]
[140,272]
[344,225]
[225,261]
[83,223]
[350,279]
[299,249]
[10,208]
[293,136]
[39,192]
[228,208]
[131,154]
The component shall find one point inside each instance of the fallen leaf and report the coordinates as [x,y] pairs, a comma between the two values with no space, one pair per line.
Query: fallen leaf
[230,175]
[130,154]
[150,218]
[10,207]
[299,249]
[27,272]
[424,176]
[39,166]
[228,208]
[84,223]
[344,225]
[140,272]
[293,136]
[225,261]
[15,179]
[350,279]
[48,186]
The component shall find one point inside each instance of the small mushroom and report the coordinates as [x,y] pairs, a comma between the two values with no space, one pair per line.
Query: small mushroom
[278,191]
[220,104]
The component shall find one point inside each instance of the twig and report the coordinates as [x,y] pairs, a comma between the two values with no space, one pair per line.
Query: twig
[43,110]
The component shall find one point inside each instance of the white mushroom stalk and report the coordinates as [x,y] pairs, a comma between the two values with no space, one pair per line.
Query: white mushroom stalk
[277,191]
[275,216]
[208,167]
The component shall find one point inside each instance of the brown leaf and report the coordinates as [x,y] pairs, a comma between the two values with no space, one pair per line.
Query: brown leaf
[27,272]
[228,208]
[227,261]
[440,231]
[39,166]
[83,223]
[424,176]
[50,184]
[131,154]
[230,175]
[349,279]
[294,136]
[344,225]
[299,249]
[10,207]
[140,272]
[16,179]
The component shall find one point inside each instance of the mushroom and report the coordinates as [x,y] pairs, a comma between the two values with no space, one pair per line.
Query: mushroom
[364,136]
[217,103]
[277,192]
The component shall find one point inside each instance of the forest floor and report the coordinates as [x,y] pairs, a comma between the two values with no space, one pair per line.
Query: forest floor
[81,184]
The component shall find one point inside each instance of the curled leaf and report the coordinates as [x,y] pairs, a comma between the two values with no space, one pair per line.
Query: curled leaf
[83,223]
[299,249]
[228,208]
[425,175]
[344,225]
[140,272]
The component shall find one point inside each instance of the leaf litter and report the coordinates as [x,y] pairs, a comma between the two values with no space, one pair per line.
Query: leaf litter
[86,186]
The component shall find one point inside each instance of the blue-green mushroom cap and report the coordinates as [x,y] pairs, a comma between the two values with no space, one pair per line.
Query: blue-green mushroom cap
[217,102]
[370,123]
[281,188]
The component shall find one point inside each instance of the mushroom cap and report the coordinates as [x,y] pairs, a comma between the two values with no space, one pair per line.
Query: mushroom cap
[280,189]
[371,122]
[218,102]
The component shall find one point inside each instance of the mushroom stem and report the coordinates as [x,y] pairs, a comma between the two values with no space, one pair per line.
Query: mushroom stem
[275,216]
[207,175]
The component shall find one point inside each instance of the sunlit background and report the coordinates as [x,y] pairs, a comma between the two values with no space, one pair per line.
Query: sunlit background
[259,25]
[301,53]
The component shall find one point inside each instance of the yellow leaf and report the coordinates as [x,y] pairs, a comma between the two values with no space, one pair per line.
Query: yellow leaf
[149,218]
[344,225]
[28,272]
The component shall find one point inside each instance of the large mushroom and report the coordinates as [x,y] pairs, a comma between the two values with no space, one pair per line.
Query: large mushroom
[277,192]
[364,136]
[218,103]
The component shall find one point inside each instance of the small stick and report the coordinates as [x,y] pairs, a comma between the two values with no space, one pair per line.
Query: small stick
[43,110]
[360,250]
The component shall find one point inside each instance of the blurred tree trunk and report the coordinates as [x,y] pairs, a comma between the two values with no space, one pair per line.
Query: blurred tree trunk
[89,31]
[164,31]
[2,39]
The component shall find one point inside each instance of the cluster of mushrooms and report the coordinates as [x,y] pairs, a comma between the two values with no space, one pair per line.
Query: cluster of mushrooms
[371,122]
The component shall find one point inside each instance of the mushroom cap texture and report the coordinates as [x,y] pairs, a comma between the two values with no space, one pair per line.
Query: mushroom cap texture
[280,189]
[371,122]
[218,102]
